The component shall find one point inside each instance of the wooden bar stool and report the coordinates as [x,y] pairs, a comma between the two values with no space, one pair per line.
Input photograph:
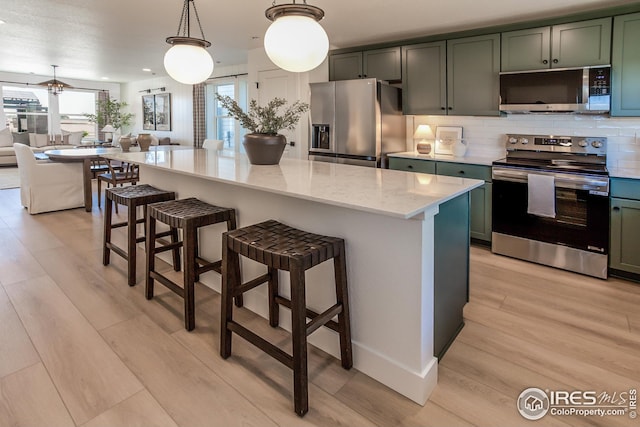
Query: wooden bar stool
[132,197]
[189,215]
[280,247]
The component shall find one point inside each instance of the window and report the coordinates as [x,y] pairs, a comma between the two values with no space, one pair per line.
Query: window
[219,124]
[26,109]
[73,107]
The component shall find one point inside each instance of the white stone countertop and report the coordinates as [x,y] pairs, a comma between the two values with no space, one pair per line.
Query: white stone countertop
[474,160]
[381,191]
[633,173]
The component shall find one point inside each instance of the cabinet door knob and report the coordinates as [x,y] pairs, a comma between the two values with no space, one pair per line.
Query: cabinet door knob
[450,108]
[545,61]
[461,172]
[359,76]
[616,208]
[555,61]
[410,166]
[364,75]
[442,108]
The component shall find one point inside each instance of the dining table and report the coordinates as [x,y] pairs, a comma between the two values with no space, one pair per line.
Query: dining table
[87,156]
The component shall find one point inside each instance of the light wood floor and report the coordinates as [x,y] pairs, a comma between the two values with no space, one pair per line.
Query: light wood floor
[79,347]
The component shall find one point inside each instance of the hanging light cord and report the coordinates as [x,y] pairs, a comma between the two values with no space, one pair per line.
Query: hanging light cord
[185,19]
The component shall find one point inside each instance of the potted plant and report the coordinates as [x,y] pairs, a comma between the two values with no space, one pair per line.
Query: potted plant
[264,145]
[109,111]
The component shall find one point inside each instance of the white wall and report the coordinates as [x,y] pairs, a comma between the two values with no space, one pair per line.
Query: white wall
[259,61]
[181,104]
[486,135]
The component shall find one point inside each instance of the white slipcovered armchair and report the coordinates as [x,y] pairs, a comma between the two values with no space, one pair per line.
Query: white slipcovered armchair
[213,144]
[48,186]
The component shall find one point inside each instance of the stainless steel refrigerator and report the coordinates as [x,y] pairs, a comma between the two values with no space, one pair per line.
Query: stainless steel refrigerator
[356,122]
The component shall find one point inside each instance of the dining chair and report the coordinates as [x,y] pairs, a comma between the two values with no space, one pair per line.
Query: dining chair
[47,186]
[119,173]
[213,144]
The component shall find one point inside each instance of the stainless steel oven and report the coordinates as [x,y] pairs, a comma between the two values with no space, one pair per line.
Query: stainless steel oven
[575,235]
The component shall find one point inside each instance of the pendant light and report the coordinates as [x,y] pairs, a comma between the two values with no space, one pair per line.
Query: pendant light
[187,61]
[295,41]
[54,86]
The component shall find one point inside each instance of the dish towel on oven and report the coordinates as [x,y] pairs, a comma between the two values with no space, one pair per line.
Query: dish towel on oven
[542,195]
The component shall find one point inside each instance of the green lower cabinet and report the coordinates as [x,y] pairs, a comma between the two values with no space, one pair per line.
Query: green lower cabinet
[481,202]
[412,165]
[481,197]
[624,254]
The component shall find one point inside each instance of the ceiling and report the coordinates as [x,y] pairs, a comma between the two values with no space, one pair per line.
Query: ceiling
[114,40]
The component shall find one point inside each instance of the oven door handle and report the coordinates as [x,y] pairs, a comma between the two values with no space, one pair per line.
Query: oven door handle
[591,183]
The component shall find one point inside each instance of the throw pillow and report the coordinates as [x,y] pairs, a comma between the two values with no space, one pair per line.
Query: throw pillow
[74,138]
[39,139]
[6,138]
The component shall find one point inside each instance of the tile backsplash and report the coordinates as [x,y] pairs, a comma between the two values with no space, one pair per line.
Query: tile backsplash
[485,136]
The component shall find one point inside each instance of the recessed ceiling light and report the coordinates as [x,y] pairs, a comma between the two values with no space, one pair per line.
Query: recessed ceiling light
[146,69]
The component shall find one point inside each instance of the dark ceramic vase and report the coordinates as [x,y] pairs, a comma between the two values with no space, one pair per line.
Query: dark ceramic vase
[264,149]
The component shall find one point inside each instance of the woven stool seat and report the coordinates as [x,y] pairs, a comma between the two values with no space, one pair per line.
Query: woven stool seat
[132,197]
[281,247]
[177,213]
[189,215]
[275,244]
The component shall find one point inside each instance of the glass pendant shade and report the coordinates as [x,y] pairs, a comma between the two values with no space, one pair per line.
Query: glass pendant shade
[295,41]
[187,61]
[188,64]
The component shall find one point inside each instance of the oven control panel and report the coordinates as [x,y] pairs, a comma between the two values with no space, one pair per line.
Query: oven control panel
[563,144]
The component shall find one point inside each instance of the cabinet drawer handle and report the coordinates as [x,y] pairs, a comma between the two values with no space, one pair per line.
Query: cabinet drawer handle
[545,61]
[461,172]
[410,166]
[616,208]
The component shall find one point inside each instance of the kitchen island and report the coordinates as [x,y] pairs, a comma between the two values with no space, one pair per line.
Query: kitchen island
[407,241]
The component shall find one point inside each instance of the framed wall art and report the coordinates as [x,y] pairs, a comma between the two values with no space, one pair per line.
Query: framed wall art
[156,112]
[446,138]
[148,106]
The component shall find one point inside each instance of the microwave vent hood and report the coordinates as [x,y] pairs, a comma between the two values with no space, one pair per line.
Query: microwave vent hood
[585,90]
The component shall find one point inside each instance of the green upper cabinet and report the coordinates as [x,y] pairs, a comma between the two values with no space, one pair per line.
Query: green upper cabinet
[459,76]
[424,78]
[345,66]
[473,67]
[575,44]
[526,49]
[625,66]
[382,64]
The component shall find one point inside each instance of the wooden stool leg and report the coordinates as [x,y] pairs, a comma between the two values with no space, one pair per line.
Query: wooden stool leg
[231,225]
[195,257]
[274,307]
[342,297]
[299,339]
[151,255]
[176,251]
[190,267]
[100,194]
[230,276]
[106,252]
[131,243]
